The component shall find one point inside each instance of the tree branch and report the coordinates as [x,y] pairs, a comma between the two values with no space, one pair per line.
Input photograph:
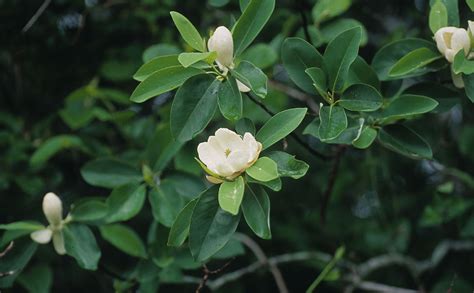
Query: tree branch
[35,16]
[295,94]
[293,135]
[332,180]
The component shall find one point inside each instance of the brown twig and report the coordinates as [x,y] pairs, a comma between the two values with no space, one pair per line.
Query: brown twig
[331,181]
[7,249]
[263,259]
[293,135]
[208,273]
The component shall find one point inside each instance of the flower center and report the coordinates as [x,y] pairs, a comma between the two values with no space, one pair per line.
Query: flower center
[227,152]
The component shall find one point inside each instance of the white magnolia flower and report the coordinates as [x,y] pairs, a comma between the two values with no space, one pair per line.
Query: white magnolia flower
[450,40]
[227,154]
[222,43]
[53,210]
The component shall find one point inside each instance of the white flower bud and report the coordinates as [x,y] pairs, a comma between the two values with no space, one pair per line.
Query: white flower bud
[450,40]
[53,209]
[42,236]
[227,154]
[222,43]
[58,242]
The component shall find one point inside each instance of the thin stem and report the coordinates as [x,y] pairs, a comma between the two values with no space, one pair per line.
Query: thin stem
[331,181]
[293,135]
[35,16]
[208,273]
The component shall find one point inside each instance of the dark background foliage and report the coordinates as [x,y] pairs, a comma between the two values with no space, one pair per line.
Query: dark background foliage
[381,202]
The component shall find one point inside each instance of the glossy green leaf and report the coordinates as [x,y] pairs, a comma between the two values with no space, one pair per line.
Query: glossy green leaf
[245,125]
[231,194]
[188,59]
[470,3]
[124,238]
[390,54]
[404,141]
[53,146]
[339,55]
[162,81]
[297,56]
[413,61]
[452,9]
[80,243]
[211,227]
[463,65]
[22,225]
[438,16]
[110,173]
[250,23]
[264,169]
[253,77]
[288,165]
[256,210]
[155,65]
[193,106]
[188,32]
[274,184]
[158,50]
[280,125]
[406,106]
[89,210]
[16,260]
[361,72]
[333,122]
[37,278]
[261,55]
[361,97]
[332,29]
[180,228]
[229,99]
[125,202]
[469,86]
[318,76]
[327,9]
[366,138]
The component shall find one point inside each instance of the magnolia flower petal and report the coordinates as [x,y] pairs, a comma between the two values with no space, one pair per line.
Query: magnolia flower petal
[253,146]
[443,38]
[214,180]
[221,41]
[224,169]
[42,236]
[229,140]
[242,87]
[460,41]
[210,154]
[238,160]
[53,209]
[58,242]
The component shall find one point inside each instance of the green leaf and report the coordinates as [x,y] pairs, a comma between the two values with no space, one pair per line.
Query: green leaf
[155,65]
[245,125]
[297,56]
[211,227]
[462,65]
[229,99]
[388,56]
[469,86]
[334,28]
[110,173]
[188,59]
[250,23]
[470,3]
[453,11]
[231,194]
[89,210]
[218,3]
[180,228]
[406,106]
[256,210]
[274,184]
[262,55]
[124,239]
[159,50]
[339,55]
[37,279]
[404,141]
[193,106]
[162,81]
[333,122]
[438,16]
[279,126]
[361,97]
[15,260]
[253,77]
[80,243]
[361,72]
[413,61]
[264,169]
[53,146]
[366,138]
[188,32]
[22,225]
[318,76]
[288,165]
[327,9]
[125,202]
